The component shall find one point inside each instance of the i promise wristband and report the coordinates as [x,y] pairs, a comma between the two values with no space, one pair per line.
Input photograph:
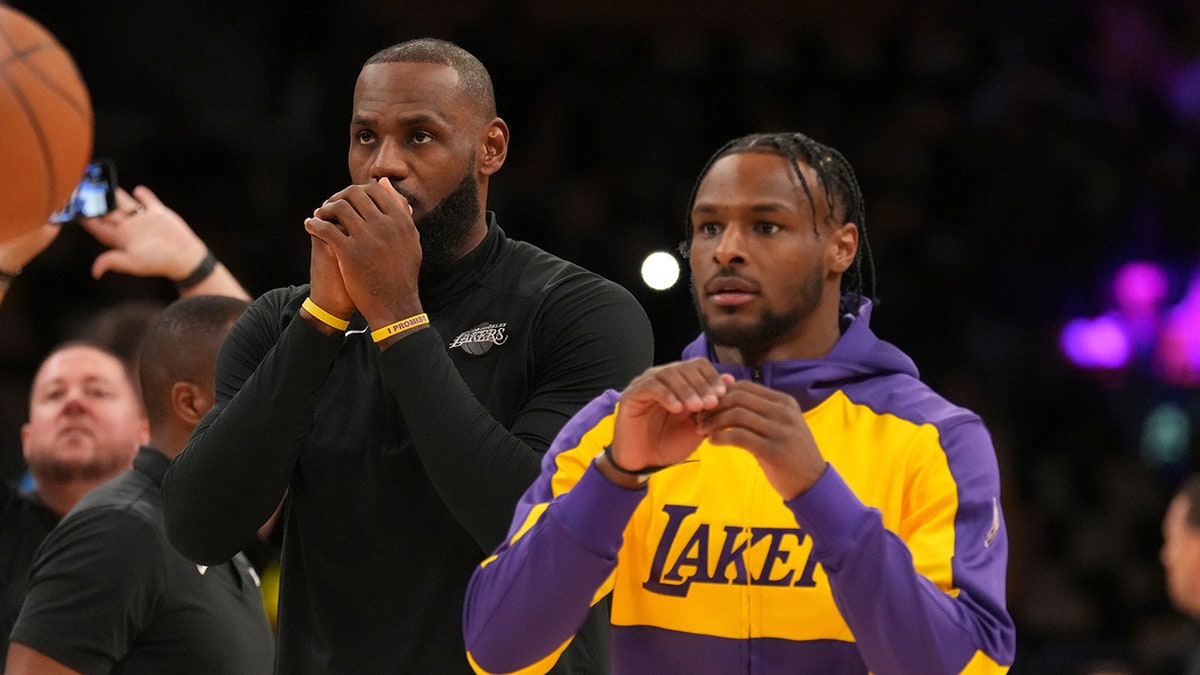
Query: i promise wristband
[399,327]
[324,317]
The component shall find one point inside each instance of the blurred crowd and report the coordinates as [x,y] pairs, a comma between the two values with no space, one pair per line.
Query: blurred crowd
[1012,158]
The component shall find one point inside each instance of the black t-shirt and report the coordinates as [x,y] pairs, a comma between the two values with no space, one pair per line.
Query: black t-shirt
[24,523]
[402,468]
[108,593]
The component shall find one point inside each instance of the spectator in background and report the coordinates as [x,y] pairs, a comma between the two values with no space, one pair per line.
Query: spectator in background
[86,419]
[1180,557]
[107,590]
[145,239]
[85,425]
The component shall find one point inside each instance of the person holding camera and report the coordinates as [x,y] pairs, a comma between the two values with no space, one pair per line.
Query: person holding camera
[145,239]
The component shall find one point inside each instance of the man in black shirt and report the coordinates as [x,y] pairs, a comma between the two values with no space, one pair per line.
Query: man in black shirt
[404,398]
[85,424]
[107,591]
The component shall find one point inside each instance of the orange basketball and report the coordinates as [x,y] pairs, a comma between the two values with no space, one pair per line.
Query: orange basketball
[46,124]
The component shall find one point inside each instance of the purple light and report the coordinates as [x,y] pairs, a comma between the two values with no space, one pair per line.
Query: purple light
[1096,343]
[1177,359]
[1139,288]
[1141,326]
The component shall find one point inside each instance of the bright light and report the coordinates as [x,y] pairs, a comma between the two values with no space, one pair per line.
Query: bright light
[1102,342]
[660,270]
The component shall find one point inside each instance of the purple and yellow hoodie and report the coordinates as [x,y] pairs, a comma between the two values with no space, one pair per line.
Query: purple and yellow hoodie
[893,562]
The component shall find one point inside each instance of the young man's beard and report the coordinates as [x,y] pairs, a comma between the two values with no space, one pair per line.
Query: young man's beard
[771,325]
[444,227]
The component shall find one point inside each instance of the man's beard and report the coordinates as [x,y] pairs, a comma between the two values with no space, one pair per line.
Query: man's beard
[447,225]
[54,470]
[765,333]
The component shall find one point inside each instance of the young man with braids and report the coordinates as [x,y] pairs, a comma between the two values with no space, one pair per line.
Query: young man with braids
[788,498]
[403,398]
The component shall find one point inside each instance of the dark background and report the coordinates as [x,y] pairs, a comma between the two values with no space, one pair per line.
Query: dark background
[1011,158]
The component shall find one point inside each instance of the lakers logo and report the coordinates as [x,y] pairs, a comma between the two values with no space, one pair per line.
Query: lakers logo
[481,338]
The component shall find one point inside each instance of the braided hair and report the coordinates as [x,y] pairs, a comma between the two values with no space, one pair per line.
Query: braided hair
[841,192]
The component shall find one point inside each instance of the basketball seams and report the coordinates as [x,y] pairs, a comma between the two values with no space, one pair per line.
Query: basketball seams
[42,142]
[25,51]
[52,85]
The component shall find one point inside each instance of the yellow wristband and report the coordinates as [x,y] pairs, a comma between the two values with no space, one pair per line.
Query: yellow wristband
[325,317]
[399,327]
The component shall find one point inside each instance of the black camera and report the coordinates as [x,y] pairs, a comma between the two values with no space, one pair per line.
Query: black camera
[95,195]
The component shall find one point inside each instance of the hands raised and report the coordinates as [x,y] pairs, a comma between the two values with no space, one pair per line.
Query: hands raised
[145,238]
[667,411]
[367,253]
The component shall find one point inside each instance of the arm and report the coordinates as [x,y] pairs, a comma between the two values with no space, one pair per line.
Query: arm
[594,337]
[235,469]
[147,239]
[94,588]
[524,603]
[902,621]
[520,609]
[24,660]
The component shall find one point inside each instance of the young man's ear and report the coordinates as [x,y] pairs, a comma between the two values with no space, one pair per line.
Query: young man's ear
[189,402]
[494,147]
[843,247]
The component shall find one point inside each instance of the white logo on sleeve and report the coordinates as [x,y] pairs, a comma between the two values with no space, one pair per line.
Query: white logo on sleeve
[995,528]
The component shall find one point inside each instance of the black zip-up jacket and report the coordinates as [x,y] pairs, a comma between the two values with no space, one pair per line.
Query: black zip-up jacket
[402,468]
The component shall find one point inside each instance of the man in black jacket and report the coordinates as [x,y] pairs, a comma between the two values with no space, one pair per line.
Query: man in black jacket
[404,398]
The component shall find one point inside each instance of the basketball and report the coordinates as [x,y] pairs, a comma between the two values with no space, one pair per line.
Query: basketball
[46,124]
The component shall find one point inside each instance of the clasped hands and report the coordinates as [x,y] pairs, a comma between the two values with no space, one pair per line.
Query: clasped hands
[666,412]
[366,254]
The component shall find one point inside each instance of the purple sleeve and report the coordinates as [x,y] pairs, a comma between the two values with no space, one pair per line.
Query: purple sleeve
[533,594]
[901,621]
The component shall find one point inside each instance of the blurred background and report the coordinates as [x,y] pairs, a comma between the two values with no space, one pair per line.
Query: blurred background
[1031,174]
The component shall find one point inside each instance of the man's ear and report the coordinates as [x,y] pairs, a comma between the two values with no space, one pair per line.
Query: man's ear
[843,247]
[494,147]
[189,402]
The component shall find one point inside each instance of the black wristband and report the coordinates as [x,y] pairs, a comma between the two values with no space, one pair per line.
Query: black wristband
[641,473]
[199,274]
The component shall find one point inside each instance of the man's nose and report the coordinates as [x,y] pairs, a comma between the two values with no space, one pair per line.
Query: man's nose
[731,247]
[390,161]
